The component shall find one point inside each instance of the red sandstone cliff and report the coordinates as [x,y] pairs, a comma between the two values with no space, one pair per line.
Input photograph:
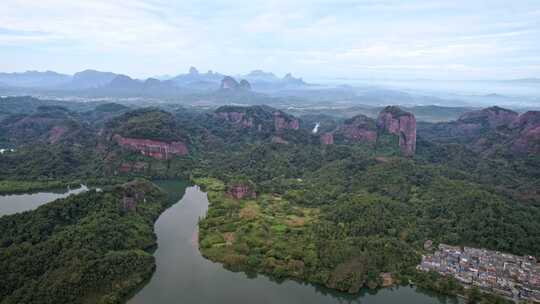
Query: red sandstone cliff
[360,129]
[283,122]
[240,191]
[152,148]
[527,127]
[396,121]
[327,138]
[238,118]
[262,118]
[492,117]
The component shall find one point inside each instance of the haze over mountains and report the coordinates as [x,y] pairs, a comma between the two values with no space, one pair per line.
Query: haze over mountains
[256,87]
[92,79]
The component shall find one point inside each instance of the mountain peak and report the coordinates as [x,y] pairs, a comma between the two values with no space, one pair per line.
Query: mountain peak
[229,83]
[193,71]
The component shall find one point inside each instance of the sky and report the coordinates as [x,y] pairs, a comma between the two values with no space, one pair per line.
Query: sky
[314,39]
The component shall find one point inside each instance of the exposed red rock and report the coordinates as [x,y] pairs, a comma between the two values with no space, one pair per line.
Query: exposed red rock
[238,118]
[359,128]
[281,122]
[240,191]
[44,129]
[262,118]
[56,134]
[152,148]
[133,167]
[396,121]
[493,117]
[129,203]
[327,138]
[132,197]
[528,127]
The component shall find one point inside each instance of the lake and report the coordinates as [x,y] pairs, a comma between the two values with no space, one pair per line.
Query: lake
[184,276]
[14,203]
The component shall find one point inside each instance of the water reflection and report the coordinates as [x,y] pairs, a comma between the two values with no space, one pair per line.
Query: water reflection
[14,203]
[184,276]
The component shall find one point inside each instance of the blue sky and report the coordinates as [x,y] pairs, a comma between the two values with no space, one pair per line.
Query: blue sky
[437,39]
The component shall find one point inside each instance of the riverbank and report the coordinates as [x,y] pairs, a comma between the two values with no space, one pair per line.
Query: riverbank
[184,275]
[8,186]
[271,236]
[85,248]
[18,186]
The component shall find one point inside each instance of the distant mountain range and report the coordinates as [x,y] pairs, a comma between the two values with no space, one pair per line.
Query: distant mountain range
[98,82]
[525,80]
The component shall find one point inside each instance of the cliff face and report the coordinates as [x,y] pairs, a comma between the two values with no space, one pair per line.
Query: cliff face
[238,118]
[492,117]
[359,128]
[396,121]
[527,127]
[229,83]
[260,118]
[362,129]
[284,122]
[152,148]
[49,124]
[240,191]
[490,130]
[327,138]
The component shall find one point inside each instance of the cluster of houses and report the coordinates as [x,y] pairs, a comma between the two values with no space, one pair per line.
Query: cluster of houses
[511,276]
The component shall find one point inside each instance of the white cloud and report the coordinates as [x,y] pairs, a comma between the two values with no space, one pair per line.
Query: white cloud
[304,36]
[98,25]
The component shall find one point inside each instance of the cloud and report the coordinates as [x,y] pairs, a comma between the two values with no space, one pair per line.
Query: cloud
[96,25]
[304,36]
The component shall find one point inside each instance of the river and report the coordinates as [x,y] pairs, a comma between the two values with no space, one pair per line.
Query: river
[184,276]
[14,203]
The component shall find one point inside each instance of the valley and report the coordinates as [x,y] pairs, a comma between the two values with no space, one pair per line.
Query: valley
[346,208]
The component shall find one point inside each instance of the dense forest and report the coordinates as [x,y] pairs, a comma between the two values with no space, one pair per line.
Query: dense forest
[339,213]
[87,248]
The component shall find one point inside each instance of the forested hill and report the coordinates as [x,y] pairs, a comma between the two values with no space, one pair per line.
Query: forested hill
[337,206]
[87,248]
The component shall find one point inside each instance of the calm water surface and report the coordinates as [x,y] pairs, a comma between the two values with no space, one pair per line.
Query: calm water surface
[14,203]
[184,276]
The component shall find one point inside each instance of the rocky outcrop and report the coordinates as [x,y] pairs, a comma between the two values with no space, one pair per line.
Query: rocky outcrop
[289,79]
[396,121]
[56,133]
[153,148]
[129,203]
[244,85]
[491,130]
[327,138]
[133,167]
[229,83]
[240,191]
[362,129]
[492,117]
[259,118]
[193,71]
[285,122]
[49,124]
[238,118]
[359,129]
[527,127]
[133,195]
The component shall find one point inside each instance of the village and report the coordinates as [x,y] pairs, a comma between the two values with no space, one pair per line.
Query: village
[511,276]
